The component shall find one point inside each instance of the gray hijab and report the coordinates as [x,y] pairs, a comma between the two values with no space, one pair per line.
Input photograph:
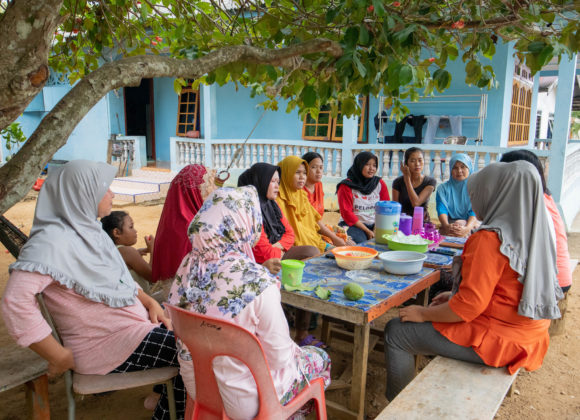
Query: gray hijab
[67,241]
[508,198]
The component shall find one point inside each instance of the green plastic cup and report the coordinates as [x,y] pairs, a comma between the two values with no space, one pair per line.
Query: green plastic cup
[292,272]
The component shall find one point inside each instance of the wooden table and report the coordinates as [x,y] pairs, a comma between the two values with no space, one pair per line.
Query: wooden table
[383,291]
[22,366]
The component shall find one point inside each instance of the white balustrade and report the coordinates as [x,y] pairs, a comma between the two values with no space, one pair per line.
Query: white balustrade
[437,156]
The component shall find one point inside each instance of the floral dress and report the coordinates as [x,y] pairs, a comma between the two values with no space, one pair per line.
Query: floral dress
[220,278]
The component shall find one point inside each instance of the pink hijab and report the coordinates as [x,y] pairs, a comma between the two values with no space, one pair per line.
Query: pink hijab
[219,277]
[181,205]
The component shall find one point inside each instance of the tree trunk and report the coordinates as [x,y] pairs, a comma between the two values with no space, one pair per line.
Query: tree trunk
[26,33]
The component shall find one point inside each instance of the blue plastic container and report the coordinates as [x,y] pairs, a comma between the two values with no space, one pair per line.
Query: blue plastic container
[387,214]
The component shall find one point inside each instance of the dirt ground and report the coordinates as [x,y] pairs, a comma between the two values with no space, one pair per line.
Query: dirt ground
[550,392]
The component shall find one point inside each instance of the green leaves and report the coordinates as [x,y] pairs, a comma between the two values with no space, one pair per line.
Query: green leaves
[308,97]
[442,79]
[405,74]
[398,49]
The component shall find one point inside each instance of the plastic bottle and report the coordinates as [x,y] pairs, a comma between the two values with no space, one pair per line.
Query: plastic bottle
[405,224]
[417,220]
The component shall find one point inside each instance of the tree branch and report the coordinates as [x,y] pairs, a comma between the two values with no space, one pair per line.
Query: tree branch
[19,173]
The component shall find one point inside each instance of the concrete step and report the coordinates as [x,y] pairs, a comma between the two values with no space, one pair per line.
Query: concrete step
[143,185]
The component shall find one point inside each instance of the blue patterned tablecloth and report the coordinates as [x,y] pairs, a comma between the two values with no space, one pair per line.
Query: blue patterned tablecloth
[454,240]
[377,283]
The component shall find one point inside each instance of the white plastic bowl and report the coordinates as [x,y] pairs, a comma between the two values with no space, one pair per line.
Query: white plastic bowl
[402,262]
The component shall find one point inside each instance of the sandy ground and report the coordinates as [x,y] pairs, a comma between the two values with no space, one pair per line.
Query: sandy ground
[550,392]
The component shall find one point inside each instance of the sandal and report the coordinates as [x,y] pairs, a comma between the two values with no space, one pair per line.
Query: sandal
[310,340]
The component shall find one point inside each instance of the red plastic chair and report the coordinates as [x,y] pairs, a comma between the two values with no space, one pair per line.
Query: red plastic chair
[207,338]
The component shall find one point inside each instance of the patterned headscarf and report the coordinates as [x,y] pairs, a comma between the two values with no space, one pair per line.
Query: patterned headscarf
[219,277]
[68,243]
[181,205]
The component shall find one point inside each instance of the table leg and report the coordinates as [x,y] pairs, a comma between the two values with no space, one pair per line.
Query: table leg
[423,297]
[326,334]
[37,398]
[359,369]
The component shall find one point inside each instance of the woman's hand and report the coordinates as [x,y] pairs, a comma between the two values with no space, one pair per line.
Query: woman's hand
[406,171]
[338,241]
[370,234]
[273,265]
[59,358]
[156,312]
[413,313]
[65,361]
[279,246]
[149,241]
[440,299]
[458,230]
[350,242]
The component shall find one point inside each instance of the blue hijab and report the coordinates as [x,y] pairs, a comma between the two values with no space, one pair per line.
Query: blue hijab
[453,194]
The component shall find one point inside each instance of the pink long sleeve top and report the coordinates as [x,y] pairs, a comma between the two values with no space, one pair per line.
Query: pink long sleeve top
[100,337]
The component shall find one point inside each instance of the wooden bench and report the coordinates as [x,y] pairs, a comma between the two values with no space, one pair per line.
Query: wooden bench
[451,389]
[19,366]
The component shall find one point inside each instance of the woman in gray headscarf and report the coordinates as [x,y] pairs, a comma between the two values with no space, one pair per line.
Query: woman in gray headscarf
[507,291]
[107,323]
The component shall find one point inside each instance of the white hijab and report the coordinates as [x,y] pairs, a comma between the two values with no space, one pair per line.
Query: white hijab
[68,243]
[509,200]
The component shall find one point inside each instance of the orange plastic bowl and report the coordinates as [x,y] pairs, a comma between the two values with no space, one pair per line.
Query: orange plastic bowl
[354,257]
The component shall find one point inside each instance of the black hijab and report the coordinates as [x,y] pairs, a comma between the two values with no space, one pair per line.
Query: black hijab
[355,178]
[259,175]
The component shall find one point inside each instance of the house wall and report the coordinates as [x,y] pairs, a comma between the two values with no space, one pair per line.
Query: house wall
[88,139]
[238,113]
[117,111]
[496,126]
[165,107]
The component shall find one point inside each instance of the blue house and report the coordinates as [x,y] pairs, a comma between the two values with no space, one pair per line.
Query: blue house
[152,125]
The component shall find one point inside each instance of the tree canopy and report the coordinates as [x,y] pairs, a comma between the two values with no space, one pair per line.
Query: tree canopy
[311,52]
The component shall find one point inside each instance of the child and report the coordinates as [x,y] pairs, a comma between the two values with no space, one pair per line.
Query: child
[119,226]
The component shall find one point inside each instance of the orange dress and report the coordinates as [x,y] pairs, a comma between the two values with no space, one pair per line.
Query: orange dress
[487,301]
[316,198]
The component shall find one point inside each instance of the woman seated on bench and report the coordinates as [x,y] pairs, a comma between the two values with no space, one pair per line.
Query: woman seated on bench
[220,278]
[107,323]
[508,288]
[562,254]
[453,203]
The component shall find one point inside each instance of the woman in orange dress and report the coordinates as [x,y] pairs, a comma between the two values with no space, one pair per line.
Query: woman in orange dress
[507,291]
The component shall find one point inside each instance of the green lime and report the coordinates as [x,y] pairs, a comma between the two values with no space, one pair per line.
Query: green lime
[353,291]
